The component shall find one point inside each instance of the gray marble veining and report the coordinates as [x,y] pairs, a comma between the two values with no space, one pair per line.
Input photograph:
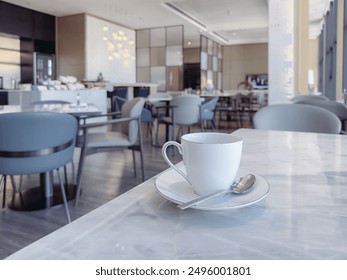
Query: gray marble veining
[304,215]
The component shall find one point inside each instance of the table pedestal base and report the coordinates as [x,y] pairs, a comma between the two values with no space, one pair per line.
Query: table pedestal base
[34,198]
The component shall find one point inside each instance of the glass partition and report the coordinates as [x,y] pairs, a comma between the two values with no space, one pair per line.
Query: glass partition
[160,57]
[210,64]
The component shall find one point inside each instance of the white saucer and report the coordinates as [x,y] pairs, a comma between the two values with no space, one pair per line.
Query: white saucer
[175,188]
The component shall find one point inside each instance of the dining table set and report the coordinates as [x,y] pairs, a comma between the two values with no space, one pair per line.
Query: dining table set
[295,210]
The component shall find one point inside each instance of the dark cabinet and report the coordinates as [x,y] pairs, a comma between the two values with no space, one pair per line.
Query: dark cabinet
[16,20]
[43,46]
[3,98]
[44,27]
[26,23]
[36,32]
[26,60]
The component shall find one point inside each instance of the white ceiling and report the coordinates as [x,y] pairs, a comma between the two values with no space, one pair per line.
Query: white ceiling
[237,21]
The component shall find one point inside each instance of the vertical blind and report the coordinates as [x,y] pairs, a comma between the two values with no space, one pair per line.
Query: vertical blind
[344,81]
[327,53]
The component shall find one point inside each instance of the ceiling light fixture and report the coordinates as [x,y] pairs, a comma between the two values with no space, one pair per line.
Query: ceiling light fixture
[190,18]
[185,15]
[219,37]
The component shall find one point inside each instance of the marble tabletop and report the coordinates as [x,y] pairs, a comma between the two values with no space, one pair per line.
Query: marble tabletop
[304,216]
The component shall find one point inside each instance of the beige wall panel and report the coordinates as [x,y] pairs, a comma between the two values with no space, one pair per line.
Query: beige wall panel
[256,66]
[143,74]
[256,51]
[239,60]
[158,56]
[301,51]
[174,78]
[191,55]
[234,52]
[71,55]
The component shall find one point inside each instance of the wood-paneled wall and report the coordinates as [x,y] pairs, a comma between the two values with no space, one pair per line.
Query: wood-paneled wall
[71,46]
[240,60]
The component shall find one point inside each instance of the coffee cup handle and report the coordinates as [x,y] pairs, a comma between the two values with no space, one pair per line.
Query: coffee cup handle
[168,161]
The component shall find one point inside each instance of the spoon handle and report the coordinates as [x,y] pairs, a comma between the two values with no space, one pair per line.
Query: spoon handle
[201,199]
[243,185]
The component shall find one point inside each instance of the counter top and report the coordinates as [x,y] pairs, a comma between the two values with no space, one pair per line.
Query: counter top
[303,216]
[134,85]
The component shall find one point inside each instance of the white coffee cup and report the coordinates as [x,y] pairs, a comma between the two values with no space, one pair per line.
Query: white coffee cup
[211,160]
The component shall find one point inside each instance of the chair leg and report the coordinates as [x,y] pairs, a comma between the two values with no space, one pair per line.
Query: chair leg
[212,125]
[142,166]
[20,183]
[202,126]
[65,177]
[62,188]
[79,175]
[16,189]
[134,163]
[73,172]
[141,154]
[156,135]
[3,185]
[153,131]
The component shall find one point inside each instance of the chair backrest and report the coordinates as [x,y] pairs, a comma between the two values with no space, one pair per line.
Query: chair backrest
[118,97]
[186,109]
[36,142]
[207,109]
[146,116]
[131,109]
[118,103]
[333,106]
[300,98]
[296,117]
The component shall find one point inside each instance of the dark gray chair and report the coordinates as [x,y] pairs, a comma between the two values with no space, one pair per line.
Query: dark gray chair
[300,98]
[335,107]
[36,142]
[297,117]
[129,136]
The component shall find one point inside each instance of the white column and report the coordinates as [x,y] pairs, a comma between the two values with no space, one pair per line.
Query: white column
[281,51]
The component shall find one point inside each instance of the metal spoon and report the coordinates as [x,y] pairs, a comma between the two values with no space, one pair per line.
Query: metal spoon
[245,184]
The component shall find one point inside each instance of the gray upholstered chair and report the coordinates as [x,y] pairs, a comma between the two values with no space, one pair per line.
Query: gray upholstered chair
[207,112]
[185,111]
[335,107]
[128,137]
[36,142]
[52,102]
[300,98]
[297,117]
[146,114]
